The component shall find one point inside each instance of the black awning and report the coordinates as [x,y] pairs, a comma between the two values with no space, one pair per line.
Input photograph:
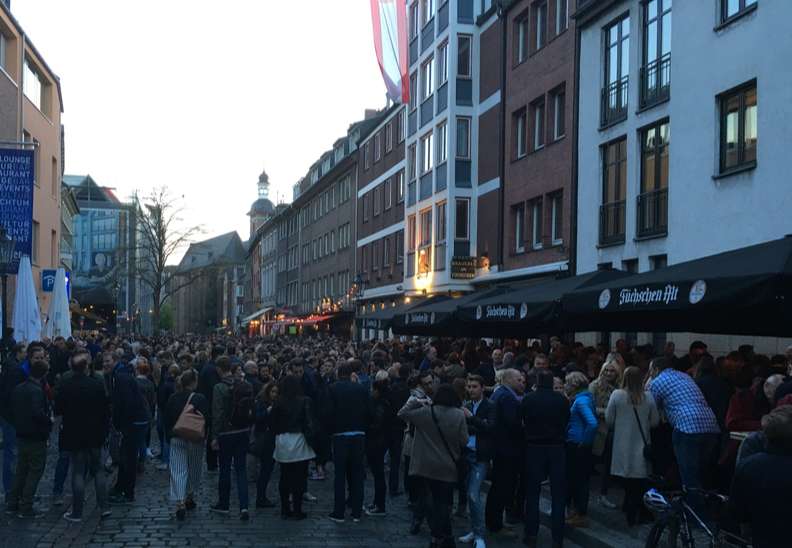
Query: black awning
[382,318]
[527,311]
[747,291]
[437,315]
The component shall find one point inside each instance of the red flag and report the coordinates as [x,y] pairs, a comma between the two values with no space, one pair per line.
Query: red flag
[389,18]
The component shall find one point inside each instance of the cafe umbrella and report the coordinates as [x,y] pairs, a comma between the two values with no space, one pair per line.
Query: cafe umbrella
[747,291]
[531,310]
[59,316]
[27,318]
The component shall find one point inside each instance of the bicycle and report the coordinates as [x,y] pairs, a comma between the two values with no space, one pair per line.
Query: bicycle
[678,525]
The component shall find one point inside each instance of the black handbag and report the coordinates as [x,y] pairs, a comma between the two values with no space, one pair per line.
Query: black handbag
[648,449]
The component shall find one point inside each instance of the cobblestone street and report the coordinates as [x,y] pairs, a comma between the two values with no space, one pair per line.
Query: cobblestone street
[150,522]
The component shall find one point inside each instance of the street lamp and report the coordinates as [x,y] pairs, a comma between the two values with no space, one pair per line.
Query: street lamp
[7,246]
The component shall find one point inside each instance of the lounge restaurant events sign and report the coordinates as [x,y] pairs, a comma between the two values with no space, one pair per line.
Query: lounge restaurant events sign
[16,201]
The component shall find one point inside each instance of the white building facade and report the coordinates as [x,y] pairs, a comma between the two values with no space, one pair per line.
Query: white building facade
[682,122]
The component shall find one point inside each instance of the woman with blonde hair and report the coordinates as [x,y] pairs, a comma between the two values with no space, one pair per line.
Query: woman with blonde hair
[580,437]
[632,413]
[608,380]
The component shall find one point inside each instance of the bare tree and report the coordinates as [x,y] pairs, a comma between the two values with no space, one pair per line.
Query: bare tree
[161,235]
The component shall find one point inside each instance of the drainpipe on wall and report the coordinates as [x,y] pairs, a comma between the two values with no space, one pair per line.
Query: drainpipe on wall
[574,183]
[502,135]
[20,118]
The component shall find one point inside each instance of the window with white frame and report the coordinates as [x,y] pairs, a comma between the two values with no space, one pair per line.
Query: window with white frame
[557,218]
[559,113]
[413,91]
[464,56]
[367,155]
[427,153]
[389,136]
[463,138]
[519,228]
[412,162]
[440,229]
[442,143]
[400,123]
[414,22]
[522,24]
[462,219]
[400,187]
[561,16]
[388,191]
[540,24]
[538,110]
[378,146]
[32,85]
[427,11]
[386,248]
[520,131]
[537,224]
[442,64]
[427,79]
[377,200]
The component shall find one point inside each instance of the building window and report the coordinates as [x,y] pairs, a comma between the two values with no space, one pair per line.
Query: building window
[55,176]
[400,247]
[413,91]
[733,8]
[559,113]
[400,121]
[738,130]
[33,86]
[463,138]
[366,199]
[520,129]
[617,70]
[427,12]
[442,64]
[424,247]
[519,228]
[412,161]
[388,191]
[442,143]
[367,155]
[411,233]
[377,200]
[614,184]
[656,69]
[658,261]
[561,16]
[3,49]
[557,218]
[462,222]
[414,20]
[522,38]
[464,44]
[386,253]
[427,151]
[388,137]
[537,224]
[540,25]
[538,121]
[363,262]
[34,244]
[375,255]
[400,187]
[440,237]
[427,79]
[653,199]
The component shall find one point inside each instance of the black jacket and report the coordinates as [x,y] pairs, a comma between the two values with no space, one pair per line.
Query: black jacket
[207,380]
[165,390]
[30,411]
[544,415]
[85,407]
[129,405]
[718,393]
[482,425]
[508,441]
[290,416]
[398,394]
[382,414]
[175,405]
[11,377]
[348,407]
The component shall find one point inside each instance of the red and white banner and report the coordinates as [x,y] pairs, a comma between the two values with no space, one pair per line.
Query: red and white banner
[389,18]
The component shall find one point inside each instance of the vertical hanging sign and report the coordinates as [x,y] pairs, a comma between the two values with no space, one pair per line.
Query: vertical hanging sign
[16,201]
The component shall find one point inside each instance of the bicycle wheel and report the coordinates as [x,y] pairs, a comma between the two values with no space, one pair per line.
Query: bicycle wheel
[664,534]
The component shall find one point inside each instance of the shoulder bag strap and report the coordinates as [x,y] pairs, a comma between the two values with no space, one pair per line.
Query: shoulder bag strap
[640,427]
[442,437]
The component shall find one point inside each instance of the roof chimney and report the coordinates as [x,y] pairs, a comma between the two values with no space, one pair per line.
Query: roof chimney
[369,114]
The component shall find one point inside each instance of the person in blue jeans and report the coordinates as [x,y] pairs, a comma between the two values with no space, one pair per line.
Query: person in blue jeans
[233,414]
[480,418]
[13,374]
[580,437]
[544,415]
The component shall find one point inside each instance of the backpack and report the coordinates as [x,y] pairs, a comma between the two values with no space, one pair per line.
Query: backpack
[243,409]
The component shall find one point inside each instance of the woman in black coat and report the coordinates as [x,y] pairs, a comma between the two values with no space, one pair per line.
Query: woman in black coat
[383,415]
[264,444]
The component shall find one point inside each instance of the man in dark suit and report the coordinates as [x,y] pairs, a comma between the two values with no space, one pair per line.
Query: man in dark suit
[348,407]
[480,416]
[544,415]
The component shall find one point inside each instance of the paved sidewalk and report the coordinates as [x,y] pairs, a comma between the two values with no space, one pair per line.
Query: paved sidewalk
[150,522]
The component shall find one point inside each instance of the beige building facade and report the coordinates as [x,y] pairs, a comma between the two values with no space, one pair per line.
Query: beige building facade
[30,113]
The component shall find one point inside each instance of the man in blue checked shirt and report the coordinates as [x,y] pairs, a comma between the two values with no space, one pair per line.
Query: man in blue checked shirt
[695,427]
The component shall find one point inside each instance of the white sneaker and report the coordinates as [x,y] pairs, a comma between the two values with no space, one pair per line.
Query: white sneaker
[467,539]
[480,543]
[604,501]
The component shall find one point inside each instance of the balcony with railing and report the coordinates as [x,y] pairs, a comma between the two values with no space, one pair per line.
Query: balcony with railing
[653,213]
[612,216]
[656,81]
[614,102]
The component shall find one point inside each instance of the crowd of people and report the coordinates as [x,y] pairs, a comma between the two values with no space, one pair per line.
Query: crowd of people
[435,420]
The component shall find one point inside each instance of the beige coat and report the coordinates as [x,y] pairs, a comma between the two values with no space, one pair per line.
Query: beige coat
[628,460]
[430,458]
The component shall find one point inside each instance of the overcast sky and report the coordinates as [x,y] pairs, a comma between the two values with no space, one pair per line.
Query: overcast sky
[202,95]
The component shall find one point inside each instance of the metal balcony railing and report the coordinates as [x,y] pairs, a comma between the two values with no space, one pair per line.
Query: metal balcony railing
[653,213]
[614,102]
[656,81]
[612,217]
